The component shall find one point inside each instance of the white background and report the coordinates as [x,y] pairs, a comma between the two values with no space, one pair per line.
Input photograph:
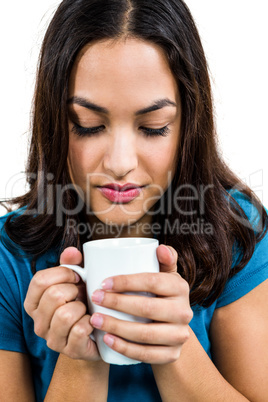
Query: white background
[234,35]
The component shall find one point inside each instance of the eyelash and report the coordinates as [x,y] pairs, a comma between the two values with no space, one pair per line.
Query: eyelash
[148,132]
[86,131]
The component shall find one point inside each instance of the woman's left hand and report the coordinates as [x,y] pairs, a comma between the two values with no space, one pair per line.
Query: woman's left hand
[160,341]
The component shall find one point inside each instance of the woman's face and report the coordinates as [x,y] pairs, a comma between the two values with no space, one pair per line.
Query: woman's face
[124,126]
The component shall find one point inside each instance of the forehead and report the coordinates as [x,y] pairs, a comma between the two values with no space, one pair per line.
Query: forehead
[128,65]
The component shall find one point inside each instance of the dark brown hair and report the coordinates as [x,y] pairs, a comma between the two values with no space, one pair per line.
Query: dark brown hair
[205,259]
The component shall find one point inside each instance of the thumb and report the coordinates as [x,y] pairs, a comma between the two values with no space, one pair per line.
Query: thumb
[167,258]
[71,255]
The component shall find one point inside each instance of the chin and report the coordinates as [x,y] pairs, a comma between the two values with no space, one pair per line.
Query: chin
[118,219]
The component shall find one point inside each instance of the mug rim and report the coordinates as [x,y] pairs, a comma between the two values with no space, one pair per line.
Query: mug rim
[122,242]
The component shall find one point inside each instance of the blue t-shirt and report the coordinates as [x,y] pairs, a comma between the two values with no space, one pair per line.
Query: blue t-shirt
[126,383]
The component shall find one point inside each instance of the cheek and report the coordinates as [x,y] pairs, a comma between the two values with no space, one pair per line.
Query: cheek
[162,160]
[82,160]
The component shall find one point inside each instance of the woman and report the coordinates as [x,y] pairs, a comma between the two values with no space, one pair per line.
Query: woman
[123,144]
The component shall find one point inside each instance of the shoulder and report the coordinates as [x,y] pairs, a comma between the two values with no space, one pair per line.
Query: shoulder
[10,216]
[256,270]
[13,259]
[15,266]
[253,211]
[7,247]
[5,217]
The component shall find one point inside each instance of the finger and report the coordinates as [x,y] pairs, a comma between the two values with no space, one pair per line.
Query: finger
[161,284]
[42,280]
[63,320]
[71,255]
[53,297]
[150,333]
[154,308]
[146,354]
[79,344]
[167,258]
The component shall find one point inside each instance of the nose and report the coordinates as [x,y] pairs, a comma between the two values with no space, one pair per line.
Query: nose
[121,155]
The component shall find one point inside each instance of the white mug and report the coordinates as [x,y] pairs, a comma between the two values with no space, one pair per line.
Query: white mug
[111,257]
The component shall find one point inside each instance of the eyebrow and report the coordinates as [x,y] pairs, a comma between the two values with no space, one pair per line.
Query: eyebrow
[159,104]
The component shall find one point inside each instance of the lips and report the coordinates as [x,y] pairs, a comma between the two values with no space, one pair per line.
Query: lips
[120,194]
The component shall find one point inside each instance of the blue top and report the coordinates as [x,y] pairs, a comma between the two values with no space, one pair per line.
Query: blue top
[126,383]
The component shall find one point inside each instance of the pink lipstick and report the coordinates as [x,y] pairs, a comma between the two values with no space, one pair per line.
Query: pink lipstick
[120,194]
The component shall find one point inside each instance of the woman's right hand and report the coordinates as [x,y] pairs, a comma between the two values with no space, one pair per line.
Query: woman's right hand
[60,316]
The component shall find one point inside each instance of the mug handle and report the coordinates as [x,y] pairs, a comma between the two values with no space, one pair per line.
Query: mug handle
[80,271]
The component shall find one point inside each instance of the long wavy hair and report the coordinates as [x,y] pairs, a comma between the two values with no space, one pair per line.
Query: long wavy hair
[205,257]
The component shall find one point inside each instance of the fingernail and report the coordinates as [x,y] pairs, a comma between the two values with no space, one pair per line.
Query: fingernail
[97,296]
[107,284]
[109,340]
[77,277]
[96,320]
[169,249]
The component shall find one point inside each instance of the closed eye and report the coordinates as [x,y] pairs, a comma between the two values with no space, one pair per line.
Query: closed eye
[86,131]
[154,132]
[147,131]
